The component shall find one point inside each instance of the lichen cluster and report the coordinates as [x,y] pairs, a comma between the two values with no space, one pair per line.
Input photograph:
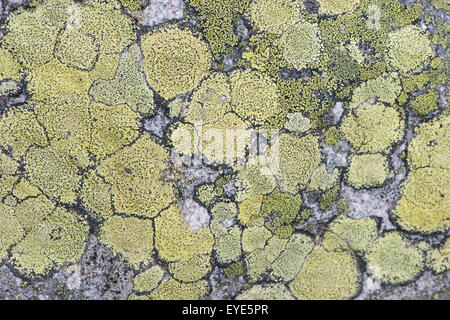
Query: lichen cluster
[292,104]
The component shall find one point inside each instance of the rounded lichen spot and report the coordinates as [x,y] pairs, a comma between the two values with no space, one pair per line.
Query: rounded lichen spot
[301,44]
[253,180]
[367,171]
[373,128]
[255,97]
[149,279]
[136,176]
[327,274]
[56,169]
[95,195]
[409,49]
[175,61]
[129,236]
[337,6]
[33,211]
[59,239]
[77,49]
[297,122]
[266,292]
[10,229]
[298,157]
[274,16]
[425,103]
[175,242]
[393,260]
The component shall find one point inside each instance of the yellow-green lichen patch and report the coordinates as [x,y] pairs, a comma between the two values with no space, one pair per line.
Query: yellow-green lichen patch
[171,289]
[255,97]
[367,171]
[19,130]
[254,238]
[211,101]
[327,273]
[129,236]
[175,61]
[30,39]
[274,16]
[288,264]
[259,261]
[373,128]
[439,258]
[253,180]
[96,197]
[56,169]
[408,49]
[7,164]
[338,6]
[176,243]
[135,174]
[323,180]
[32,211]
[297,122]
[57,240]
[359,234]
[393,260]
[77,49]
[425,194]
[266,292]
[10,230]
[9,68]
[425,201]
[149,279]
[430,147]
[298,158]
[227,235]
[425,103]
[301,45]
[127,86]
[385,88]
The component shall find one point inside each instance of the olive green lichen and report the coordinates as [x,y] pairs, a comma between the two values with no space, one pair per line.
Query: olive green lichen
[439,258]
[393,260]
[338,6]
[217,23]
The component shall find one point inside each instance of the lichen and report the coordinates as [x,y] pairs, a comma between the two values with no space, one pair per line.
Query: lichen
[393,260]
[175,61]
[368,171]
[266,292]
[327,274]
[301,45]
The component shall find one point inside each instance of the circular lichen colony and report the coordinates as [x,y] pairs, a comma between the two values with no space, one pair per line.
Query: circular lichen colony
[224,149]
[175,61]
[301,44]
